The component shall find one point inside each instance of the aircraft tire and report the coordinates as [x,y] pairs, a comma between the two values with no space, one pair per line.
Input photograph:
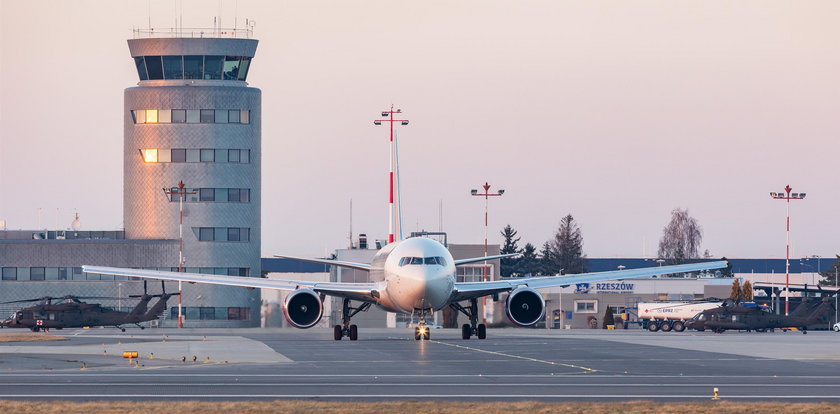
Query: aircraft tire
[837,329]
[761,330]
[142,327]
[122,329]
[428,335]
[482,331]
[416,334]
[652,326]
[354,332]
[678,326]
[466,331]
[337,333]
[665,327]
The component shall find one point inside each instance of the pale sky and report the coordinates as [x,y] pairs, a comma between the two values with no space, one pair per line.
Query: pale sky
[613,111]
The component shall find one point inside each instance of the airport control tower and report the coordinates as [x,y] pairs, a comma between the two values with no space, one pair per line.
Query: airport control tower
[192,117]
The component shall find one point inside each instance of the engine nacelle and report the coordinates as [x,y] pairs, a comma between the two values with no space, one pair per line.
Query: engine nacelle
[303,308]
[525,306]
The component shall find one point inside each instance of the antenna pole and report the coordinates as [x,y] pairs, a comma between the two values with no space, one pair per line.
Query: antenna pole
[391,213]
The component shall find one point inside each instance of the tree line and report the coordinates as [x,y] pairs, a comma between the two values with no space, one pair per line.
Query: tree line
[563,253]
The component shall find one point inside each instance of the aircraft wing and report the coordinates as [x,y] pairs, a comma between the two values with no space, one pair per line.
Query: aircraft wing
[357,291]
[469,290]
[331,262]
[483,258]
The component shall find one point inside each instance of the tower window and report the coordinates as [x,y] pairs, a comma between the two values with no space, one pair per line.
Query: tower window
[231,69]
[213,67]
[173,67]
[141,68]
[179,116]
[154,66]
[193,67]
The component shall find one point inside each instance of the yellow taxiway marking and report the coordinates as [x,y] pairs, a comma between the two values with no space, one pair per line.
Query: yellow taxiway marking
[582,368]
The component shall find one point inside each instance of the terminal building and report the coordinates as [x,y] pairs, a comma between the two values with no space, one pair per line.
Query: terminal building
[192,119]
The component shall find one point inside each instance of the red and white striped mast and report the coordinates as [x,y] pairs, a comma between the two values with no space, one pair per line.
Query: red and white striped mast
[391,213]
[787,196]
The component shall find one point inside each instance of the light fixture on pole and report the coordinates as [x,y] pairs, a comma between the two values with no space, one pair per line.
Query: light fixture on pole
[391,212]
[486,194]
[181,193]
[787,196]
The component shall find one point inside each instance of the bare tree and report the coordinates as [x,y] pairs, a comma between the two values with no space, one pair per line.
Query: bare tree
[681,238]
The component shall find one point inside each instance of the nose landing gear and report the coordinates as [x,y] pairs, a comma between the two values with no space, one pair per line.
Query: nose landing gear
[421,331]
[473,328]
[346,329]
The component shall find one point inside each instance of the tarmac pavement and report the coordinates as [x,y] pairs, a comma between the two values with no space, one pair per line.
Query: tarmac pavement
[385,364]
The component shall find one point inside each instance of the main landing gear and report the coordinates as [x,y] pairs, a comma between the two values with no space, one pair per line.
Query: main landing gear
[345,329]
[473,328]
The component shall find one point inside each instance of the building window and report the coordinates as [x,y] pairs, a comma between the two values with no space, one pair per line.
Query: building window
[586,306]
[208,116]
[179,155]
[229,234]
[211,195]
[37,273]
[231,69]
[150,155]
[206,234]
[208,155]
[154,66]
[243,68]
[190,116]
[179,116]
[165,116]
[9,273]
[173,67]
[193,67]
[141,68]
[222,116]
[207,313]
[239,314]
[213,67]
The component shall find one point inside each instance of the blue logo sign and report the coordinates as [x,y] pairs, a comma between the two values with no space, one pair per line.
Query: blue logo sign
[582,288]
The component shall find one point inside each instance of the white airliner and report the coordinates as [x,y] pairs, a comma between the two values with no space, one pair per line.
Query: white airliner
[409,275]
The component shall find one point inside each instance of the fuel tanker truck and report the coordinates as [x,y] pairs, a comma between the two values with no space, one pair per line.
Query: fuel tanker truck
[667,316]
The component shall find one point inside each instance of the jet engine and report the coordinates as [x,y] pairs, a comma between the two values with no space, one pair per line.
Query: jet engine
[525,306]
[303,308]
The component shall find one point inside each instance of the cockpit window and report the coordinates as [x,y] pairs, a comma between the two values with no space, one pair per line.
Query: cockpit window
[422,260]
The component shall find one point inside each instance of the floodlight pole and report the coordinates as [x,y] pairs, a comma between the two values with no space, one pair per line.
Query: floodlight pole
[390,114]
[787,196]
[486,194]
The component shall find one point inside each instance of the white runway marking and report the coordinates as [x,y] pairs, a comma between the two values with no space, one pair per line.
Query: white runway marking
[381,384]
[414,396]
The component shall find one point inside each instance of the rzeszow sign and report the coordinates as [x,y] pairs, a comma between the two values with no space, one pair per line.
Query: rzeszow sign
[606,287]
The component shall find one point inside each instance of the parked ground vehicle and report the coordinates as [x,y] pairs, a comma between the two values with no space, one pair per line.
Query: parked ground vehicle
[668,316]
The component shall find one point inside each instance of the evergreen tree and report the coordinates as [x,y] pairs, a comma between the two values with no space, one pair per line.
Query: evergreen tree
[735,293]
[529,262]
[567,247]
[509,265]
[830,275]
[681,238]
[609,318]
[547,265]
[747,291]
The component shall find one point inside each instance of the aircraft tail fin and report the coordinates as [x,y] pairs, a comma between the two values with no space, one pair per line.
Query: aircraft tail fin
[803,309]
[821,310]
[159,307]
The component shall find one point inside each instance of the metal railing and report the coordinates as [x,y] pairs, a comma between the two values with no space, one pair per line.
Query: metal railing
[197,32]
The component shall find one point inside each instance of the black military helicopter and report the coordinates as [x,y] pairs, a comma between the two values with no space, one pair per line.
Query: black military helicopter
[751,317]
[70,312]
